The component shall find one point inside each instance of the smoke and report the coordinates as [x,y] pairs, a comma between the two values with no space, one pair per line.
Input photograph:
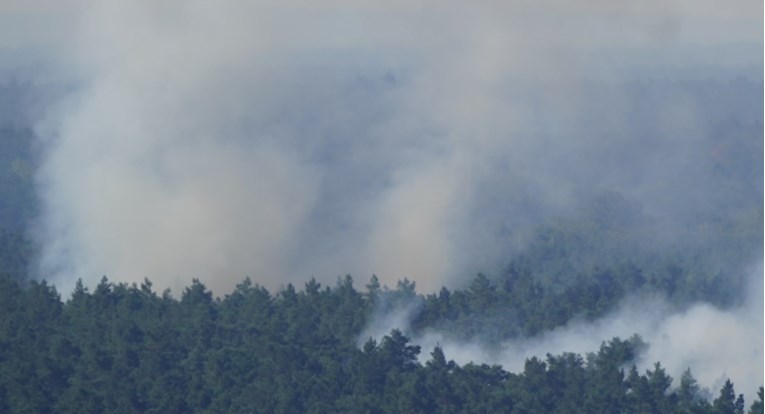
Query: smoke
[283,140]
[418,139]
[715,344]
[390,315]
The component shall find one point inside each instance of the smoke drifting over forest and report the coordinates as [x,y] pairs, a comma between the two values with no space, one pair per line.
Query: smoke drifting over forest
[700,338]
[417,139]
[283,141]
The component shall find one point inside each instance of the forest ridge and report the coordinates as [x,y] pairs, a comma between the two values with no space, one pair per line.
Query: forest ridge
[546,207]
[126,349]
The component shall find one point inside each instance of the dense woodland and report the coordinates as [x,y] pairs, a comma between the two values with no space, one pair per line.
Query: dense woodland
[128,348]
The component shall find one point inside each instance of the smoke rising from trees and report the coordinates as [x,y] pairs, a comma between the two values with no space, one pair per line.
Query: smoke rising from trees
[715,344]
[418,139]
[412,140]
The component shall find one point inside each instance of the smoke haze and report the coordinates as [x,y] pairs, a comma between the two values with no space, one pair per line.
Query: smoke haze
[715,344]
[418,139]
[412,139]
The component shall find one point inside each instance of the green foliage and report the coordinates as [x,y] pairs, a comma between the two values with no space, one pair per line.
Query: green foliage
[123,348]
[757,406]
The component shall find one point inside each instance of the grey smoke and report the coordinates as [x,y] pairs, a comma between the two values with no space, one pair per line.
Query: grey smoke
[411,139]
[419,139]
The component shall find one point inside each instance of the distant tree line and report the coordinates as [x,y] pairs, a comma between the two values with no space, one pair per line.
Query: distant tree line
[125,349]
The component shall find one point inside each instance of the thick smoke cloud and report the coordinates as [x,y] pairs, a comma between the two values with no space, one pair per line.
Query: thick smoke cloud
[419,139]
[282,140]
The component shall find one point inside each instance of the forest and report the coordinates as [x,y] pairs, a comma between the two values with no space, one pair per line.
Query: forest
[127,349]
[644,185]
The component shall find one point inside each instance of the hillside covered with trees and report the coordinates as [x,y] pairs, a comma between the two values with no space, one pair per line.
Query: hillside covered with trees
[518,174]
[127,349]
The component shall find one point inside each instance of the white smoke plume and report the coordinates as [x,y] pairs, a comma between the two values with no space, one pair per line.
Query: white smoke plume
[283,140]
[715,344]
